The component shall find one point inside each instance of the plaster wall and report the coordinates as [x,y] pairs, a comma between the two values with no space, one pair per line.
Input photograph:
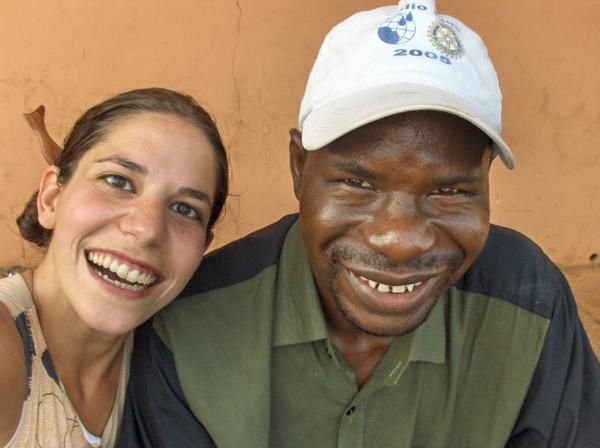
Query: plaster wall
[248,60]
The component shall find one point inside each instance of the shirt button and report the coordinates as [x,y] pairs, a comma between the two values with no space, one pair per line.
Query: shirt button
[351,410]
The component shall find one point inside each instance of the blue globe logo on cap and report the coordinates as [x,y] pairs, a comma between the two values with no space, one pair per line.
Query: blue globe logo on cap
[397,30]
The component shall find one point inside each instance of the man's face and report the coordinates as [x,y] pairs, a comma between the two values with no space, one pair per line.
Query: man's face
[392,214]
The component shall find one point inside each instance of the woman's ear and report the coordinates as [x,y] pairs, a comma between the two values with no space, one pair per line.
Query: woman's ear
[47,198]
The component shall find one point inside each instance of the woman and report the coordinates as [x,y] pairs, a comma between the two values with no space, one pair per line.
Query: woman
[124,214]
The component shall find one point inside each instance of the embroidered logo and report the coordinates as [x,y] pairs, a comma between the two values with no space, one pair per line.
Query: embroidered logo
[399,29]
[443,35]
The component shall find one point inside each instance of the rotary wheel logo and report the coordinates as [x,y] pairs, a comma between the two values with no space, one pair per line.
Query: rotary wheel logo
[444,37]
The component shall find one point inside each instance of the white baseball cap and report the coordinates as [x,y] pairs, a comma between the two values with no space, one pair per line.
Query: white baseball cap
[397,59]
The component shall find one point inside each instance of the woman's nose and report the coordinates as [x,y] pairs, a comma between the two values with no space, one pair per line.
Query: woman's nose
[145,222]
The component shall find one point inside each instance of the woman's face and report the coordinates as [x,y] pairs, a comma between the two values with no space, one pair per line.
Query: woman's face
[130,227]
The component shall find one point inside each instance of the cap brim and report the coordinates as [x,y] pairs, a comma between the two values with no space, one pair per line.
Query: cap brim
[332,120]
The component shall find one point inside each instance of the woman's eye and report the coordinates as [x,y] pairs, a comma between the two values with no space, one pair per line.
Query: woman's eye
[185,210]
[119,182]
[358,183]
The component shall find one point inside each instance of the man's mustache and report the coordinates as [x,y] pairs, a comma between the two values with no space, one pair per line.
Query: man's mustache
[425,262]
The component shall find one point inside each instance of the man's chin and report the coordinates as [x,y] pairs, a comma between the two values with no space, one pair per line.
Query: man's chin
[386,330]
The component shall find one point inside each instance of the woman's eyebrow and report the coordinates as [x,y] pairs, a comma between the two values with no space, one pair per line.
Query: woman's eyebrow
[195,193]
[133,166]
[125,163]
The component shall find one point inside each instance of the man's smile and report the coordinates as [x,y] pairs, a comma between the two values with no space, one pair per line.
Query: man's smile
[394,289]
[399,296]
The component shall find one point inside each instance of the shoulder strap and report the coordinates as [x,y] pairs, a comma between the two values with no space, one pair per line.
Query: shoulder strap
[15,294]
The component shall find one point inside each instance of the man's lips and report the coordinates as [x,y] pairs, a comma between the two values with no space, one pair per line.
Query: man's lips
[390,292]
[394,289]
[387,280]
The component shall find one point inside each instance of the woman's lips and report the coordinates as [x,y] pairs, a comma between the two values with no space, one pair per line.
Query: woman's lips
[120,273]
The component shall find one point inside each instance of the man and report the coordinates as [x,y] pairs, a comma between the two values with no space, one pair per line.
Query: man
[388,313]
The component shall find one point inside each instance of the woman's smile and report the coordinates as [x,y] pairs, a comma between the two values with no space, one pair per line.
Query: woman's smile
[122,273]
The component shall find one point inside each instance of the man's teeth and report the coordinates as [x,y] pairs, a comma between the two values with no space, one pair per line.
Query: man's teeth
[395,289]
[122,270]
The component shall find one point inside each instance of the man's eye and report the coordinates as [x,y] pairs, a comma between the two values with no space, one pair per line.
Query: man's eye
[358,183]
[185,210]
[447,191]
[119,182]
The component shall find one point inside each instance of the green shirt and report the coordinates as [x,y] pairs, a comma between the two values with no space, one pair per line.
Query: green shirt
[255,366]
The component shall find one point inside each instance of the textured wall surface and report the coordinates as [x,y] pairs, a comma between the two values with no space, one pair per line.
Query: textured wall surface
[247,61]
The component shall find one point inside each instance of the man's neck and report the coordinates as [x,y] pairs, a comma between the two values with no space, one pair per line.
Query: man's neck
[362,351]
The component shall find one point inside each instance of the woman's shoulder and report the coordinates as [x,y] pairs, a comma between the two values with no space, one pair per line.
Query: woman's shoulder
[15,293]
[12,375]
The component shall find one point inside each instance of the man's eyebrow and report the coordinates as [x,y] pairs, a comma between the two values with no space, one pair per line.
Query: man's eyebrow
[125,163]
[458,179]
[195,193]
[353,167]
[359,170]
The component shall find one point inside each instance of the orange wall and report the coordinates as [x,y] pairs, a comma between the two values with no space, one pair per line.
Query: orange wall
[248,60]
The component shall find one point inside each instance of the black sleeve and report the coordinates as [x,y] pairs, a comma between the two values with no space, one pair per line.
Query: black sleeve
[156,413]
[562,406]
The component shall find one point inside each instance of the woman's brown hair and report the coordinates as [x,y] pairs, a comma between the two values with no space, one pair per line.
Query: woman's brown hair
[97,122]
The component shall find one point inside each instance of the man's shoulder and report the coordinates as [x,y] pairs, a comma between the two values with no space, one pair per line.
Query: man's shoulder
[240,260]
[513,268]
[234,282]
[504,245]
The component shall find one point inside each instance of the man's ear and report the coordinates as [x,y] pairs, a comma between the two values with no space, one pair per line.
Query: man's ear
[492,156]
[47,198]
[297,159]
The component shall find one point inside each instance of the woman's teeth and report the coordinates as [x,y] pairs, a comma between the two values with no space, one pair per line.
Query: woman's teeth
[121,284]
[138,279]
[394,289]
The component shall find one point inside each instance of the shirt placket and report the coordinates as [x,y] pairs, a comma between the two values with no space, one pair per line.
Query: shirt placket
[352,426]
[351,431]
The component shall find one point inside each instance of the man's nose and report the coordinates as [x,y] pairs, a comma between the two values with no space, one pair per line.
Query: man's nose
[145,222]
[400,229]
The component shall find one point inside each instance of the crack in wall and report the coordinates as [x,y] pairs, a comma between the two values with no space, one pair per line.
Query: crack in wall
[236,85]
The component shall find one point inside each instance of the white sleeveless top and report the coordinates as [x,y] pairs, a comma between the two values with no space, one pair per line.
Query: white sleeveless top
[48,419]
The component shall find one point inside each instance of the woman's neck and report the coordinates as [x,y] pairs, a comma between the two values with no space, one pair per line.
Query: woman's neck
[87,362]
[70,341]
